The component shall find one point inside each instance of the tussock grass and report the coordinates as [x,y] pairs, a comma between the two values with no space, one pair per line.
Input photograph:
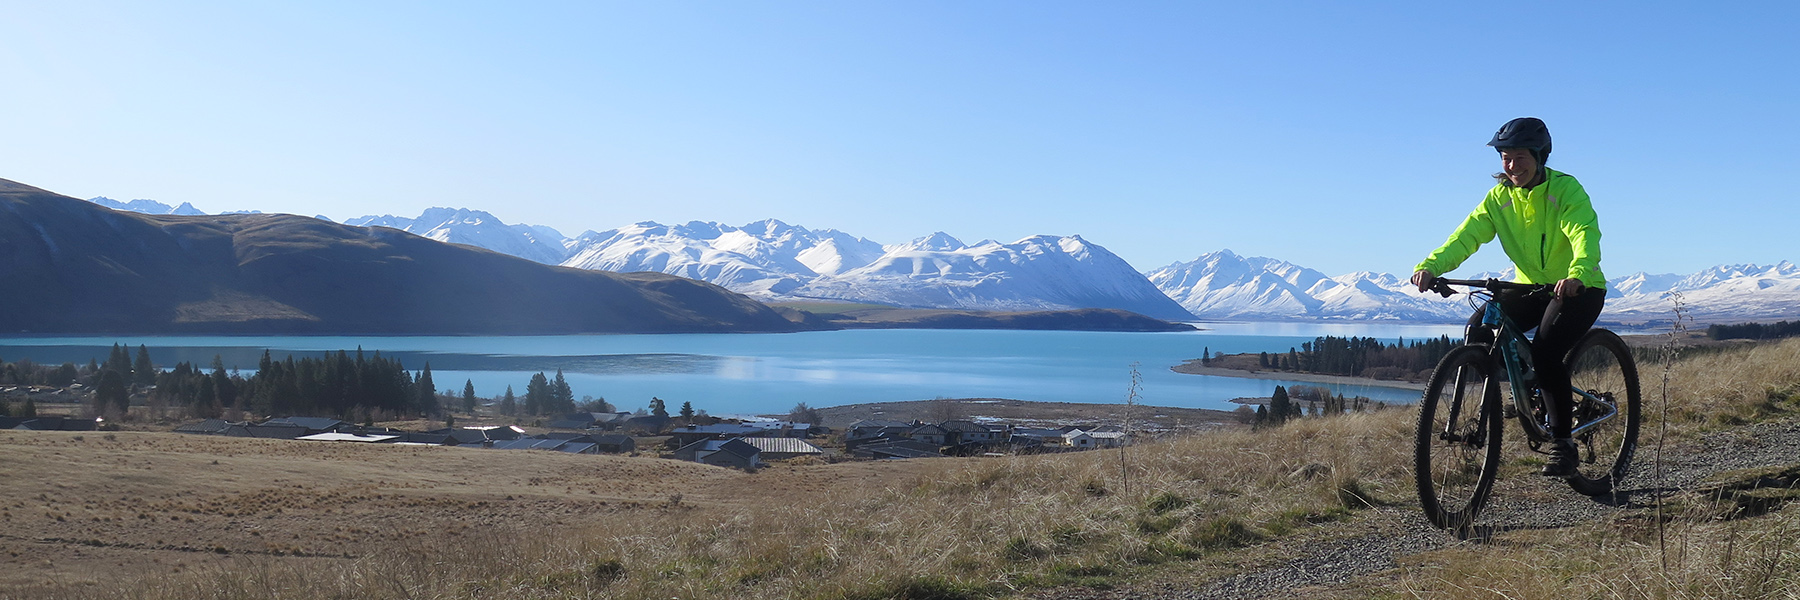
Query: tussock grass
[949,529]
[972,528]
[1728,388]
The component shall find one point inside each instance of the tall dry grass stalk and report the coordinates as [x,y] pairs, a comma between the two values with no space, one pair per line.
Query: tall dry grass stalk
[1671,352]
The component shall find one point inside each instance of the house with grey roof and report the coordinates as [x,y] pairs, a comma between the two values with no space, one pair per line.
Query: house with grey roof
[734,452]
[615,443]
[930,434]
[52,423]
[782,448]
[970,432]
[893,449]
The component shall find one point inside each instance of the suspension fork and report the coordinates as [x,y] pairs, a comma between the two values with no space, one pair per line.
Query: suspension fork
[1456,406]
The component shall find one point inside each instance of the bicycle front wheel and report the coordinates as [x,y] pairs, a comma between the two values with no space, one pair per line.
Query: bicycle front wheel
[1606,410]
[1457,452]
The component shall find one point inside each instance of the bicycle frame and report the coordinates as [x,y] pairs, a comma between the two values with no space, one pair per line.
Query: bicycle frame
[1508,340]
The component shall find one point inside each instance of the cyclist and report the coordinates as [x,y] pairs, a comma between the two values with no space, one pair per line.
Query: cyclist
[1548,228]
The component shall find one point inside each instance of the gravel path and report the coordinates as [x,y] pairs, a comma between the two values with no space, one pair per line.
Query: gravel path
[1372,542]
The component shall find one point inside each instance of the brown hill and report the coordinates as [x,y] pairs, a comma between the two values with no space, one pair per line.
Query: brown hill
[70,266]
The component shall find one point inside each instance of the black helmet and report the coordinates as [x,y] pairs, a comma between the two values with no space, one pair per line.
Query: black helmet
[1524,132]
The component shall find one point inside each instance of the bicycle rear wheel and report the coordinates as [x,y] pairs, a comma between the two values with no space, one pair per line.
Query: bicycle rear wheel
[1606,383]
[1457,452]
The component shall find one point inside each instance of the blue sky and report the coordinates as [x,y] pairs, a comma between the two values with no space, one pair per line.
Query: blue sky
[1339,136]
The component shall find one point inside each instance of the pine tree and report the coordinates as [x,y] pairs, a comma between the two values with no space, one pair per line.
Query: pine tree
[206,402]
[1262,415]
[112,394]
[427,391]
[29,411]
[468,398]
[687,412]
[562,399]
[1206,355]
[508,405]
[223,387]
[537,395]
[118,361]
[1279,406]
[657,409]
[142,372]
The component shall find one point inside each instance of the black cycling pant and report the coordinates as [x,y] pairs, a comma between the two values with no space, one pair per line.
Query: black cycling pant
[1557,332]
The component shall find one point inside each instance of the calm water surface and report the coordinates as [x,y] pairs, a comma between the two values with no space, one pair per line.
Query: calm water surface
[769,373]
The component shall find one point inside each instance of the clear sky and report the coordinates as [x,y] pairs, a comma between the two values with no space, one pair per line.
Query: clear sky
[1336,135]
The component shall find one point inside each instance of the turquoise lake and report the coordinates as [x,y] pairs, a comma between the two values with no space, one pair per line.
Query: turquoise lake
[741,374]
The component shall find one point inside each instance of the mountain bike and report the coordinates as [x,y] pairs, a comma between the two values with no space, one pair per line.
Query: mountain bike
[1461,416]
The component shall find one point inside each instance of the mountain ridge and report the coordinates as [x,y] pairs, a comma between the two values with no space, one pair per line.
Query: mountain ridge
[79,267]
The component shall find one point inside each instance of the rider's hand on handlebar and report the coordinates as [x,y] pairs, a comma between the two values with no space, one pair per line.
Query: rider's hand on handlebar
[1422,278]
[1567,288]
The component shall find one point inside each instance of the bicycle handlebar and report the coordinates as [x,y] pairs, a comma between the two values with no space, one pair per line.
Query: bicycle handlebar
[1442,285]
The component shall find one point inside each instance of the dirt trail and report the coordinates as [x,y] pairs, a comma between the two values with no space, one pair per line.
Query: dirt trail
[1329,560]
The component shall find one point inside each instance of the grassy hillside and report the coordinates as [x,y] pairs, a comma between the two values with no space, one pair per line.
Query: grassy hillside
[75,267]
[140,515]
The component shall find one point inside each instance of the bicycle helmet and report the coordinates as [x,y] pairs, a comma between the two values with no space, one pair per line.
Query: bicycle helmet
[1524,132]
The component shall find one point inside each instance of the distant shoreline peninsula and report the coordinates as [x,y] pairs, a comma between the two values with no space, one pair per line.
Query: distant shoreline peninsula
[1193,366]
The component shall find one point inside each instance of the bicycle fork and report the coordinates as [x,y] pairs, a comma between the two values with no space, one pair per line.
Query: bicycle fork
[1449,434]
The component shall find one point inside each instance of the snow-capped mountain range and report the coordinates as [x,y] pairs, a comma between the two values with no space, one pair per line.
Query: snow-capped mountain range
[774,261]
[1223,285]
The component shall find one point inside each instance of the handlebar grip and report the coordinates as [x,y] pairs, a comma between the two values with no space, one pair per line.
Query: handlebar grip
[1442,287]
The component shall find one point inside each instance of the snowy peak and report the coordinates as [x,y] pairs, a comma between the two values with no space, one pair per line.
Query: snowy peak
[936,242]
[477,228]
[148,207]
[1035,273]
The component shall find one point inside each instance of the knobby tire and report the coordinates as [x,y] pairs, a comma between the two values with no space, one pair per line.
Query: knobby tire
[1455,476]
[1601,363]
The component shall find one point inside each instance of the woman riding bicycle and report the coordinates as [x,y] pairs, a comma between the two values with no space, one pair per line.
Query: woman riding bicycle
[1548,228]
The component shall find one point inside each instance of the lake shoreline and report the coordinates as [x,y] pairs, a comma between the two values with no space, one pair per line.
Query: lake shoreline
[1194,367]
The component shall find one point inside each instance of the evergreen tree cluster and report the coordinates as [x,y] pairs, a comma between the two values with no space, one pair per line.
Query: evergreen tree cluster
[546,397]
[137,371]
[1306,400]
[1361,356]
[336,385]
[1753,331]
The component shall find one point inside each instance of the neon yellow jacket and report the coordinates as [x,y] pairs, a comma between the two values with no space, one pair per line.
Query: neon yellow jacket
[1550,232]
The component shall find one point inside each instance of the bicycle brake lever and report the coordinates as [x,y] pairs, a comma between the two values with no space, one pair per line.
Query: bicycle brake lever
[1443,289]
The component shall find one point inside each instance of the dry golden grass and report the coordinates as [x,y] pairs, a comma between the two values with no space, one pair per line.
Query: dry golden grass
[151,516]
[146,515]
